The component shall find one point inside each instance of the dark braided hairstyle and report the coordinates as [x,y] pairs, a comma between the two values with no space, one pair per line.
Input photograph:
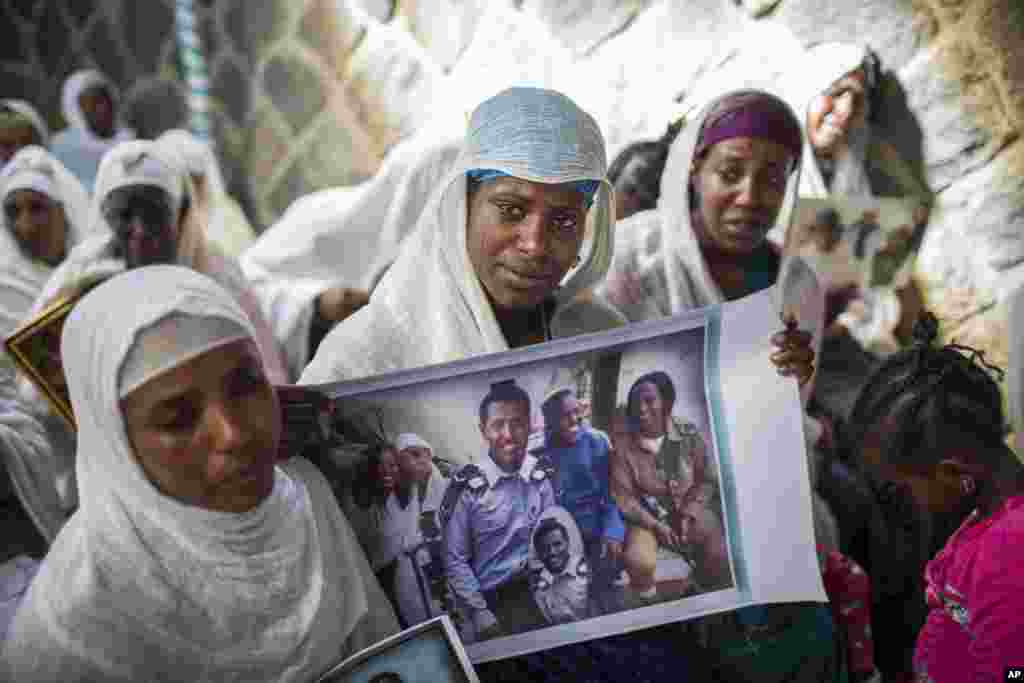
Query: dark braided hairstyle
[932,397]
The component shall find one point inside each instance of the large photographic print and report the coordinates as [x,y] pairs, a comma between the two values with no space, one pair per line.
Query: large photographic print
[571,491]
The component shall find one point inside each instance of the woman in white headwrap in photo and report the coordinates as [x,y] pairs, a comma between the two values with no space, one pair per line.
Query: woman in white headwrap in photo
[320,261]
[20,126]
[195,554]
[432,306]
[419,493]
[90,104]
[226,225]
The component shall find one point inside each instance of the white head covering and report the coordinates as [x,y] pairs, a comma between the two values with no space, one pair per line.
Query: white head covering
[430,306]
[344,236]
[410,440]
[29,112]
[689,281]
[77,146]
[226,225]
[144,162]
[78,83]
[139,585]
[823,65]
[21,277]
[140,162]
[197,157]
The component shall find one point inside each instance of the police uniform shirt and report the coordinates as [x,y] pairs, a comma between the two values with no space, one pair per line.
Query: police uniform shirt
[488,531]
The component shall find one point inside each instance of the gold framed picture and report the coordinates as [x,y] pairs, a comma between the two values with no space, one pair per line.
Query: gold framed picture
[35,349]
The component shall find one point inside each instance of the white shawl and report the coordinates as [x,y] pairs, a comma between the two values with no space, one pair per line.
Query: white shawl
[21,277]
[430,306]
[78,146]
[139,586]
[31,443]
[226,226]
[96,256]
[29,112]
[823,65]
[343,237]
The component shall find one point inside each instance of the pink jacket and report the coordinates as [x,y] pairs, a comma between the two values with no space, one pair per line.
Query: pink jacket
[975,589]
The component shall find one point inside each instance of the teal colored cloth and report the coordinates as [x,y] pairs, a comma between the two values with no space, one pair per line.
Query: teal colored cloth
[762,269]
[587,188]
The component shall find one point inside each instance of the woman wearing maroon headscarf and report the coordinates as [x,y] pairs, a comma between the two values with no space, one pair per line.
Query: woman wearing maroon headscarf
[731,176]
[728,176]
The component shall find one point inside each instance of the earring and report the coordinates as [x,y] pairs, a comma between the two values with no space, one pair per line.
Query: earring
[967,485]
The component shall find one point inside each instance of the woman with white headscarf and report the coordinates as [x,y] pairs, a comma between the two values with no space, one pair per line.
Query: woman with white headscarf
[164,227]
[318,263]
[20,126]
[838,96]
[194,555]
[91,107]
[432,305]
[46,213]
[226,226]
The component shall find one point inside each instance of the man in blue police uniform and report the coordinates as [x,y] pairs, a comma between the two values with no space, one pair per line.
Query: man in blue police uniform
[580,457]
[489,514]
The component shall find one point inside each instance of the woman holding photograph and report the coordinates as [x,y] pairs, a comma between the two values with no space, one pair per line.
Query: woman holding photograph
[194,554]
[732,176]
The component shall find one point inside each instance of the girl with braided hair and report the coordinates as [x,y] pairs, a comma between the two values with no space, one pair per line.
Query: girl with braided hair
[929,427]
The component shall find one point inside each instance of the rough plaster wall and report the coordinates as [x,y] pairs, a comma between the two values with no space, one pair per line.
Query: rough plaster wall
[310,94]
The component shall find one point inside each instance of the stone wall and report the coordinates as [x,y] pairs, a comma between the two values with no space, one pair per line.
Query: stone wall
[132,41]
[310,94]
